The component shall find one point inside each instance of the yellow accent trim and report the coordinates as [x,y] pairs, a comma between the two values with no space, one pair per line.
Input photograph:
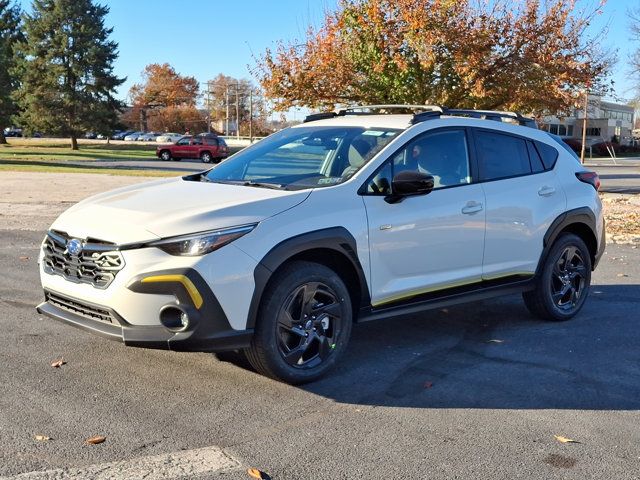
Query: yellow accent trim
[420,291]
[186,283]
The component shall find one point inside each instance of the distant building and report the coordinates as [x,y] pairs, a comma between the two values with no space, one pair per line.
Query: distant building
[605,120]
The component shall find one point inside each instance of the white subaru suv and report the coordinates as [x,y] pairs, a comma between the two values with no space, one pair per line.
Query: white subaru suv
[350,216]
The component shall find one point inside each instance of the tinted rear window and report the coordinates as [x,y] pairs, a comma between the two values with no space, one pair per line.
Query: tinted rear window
[548,154]
[534,157]
[501,156]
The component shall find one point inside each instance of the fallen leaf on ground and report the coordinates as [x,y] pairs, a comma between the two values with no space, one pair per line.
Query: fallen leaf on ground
[255,473]
[562,439]
[58,363]
[428,384]
[24,258]
[42,438]
[495,340]
[95,440]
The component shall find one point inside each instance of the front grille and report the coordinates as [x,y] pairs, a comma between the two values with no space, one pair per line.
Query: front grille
[82,309]
[97,264]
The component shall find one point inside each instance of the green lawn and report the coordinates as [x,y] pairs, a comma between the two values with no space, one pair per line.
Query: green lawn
[60,151]
[72,169]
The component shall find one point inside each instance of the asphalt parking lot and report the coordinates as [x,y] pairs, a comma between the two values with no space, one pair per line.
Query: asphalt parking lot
[471,392]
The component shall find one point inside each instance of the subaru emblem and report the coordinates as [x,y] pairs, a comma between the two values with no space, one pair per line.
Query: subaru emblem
[74,246]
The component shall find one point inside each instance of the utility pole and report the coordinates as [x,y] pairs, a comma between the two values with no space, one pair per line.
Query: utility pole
[226,102]
[208,107]
[251,115]
[584,124]
[238,110]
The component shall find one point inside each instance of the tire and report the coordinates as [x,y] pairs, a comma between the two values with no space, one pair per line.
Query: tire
[165,155]
[206,157]
[563,284]
[303,325]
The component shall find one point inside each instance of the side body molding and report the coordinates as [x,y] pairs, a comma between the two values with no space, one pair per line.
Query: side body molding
[338,239]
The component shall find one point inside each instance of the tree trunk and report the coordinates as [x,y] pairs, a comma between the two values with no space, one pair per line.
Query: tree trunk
[3,141]
[74,142]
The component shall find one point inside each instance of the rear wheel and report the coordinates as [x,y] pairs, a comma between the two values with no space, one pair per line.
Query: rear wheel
[563,284]
[303,325]
[206,157]
[165,155]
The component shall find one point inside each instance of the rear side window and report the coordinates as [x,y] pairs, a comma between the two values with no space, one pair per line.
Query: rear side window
[549,154]
[211,141]
[501,156]
[536,162]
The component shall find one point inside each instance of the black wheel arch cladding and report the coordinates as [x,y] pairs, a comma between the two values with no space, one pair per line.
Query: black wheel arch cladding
[337,239]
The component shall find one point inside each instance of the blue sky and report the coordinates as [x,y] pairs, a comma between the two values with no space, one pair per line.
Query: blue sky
[205,37]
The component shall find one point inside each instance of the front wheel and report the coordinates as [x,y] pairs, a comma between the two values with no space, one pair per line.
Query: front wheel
[165,155]
[303,325]
[563,284]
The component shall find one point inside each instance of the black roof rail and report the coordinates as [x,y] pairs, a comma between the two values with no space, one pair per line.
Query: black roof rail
[319,116]
[427,112]
[495,115]
[362,109]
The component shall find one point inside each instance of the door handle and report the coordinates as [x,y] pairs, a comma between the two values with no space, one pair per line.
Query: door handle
[546,191]
[472,207]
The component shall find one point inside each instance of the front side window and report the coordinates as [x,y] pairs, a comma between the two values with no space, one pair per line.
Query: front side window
[184,141]
[304,157]
[442,154]
[501,156]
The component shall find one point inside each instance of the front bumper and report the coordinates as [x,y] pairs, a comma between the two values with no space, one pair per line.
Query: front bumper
[208,330]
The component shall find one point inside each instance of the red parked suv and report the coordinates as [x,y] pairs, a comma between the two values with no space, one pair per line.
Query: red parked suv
[208,148]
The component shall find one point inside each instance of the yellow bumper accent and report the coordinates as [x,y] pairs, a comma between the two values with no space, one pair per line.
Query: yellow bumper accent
[186,283]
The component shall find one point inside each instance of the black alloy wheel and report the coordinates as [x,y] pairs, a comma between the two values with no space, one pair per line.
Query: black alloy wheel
[568,279]
[303,325]
[309,324]
[562,284]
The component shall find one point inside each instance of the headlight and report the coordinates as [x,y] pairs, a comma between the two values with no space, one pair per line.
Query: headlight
[201,243]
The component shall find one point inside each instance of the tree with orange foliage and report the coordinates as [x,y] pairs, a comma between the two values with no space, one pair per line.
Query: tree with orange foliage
[523,55]
[165,101]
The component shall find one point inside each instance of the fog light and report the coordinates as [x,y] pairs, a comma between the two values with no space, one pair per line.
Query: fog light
[174,317]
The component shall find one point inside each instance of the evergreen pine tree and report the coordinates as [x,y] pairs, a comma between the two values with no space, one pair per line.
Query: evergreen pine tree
[10,33]
[67,61]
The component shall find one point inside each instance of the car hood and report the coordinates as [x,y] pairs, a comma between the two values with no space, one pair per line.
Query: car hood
[171,207]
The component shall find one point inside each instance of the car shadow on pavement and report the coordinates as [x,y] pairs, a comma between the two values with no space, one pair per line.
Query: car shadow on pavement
[494,354]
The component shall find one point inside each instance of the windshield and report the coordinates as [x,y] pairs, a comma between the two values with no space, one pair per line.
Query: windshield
[303,157]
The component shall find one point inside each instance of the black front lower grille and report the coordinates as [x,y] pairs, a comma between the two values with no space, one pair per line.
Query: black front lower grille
[79,308]
[97,264]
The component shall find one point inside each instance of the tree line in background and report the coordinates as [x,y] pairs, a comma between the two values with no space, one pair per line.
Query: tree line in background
[527,55]
[167,101]
[56,65]
[56,76]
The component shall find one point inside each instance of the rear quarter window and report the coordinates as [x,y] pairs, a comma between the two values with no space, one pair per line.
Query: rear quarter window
[548,154]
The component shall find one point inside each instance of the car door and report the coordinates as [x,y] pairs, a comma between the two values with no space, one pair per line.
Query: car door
[428,242]
[195,147]
[181,149]
[523,197]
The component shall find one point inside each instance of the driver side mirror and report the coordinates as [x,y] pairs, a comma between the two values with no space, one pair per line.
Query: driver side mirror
[409,183]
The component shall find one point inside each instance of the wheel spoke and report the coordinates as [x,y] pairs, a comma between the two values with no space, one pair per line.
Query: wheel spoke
[332,309]
[309,293]
[293,356]
[285,319]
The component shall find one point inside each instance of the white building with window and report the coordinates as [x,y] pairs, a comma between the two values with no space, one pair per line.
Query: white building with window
[605,120]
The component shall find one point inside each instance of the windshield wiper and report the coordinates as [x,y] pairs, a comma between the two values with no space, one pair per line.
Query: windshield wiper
[251,183]
[244,183]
